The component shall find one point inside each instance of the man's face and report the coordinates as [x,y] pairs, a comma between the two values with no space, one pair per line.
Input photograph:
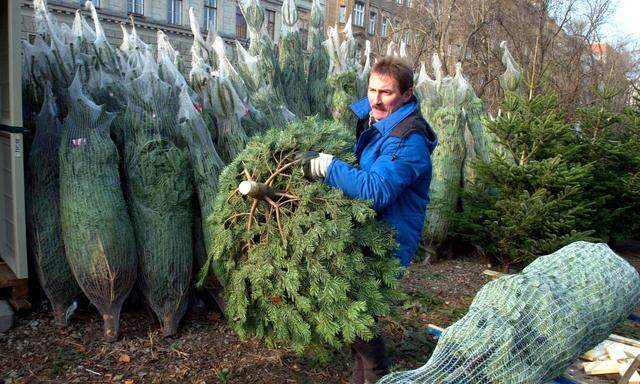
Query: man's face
[384,95]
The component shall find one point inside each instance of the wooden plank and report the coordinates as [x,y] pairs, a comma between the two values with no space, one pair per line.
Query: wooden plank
[20,304]
[7,277]
[631,374]
[493,274]
[598,352]
[601,367]
[615,352]
[624,340]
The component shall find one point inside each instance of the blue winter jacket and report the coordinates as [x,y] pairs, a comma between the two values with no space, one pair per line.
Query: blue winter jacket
[394,158]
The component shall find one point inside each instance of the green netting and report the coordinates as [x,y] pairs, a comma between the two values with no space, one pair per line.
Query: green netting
[96,228]
[43,216]
[529,327]
[206,164]
[269,111]
[343,78]
[442,107]
[160,197]
[305,264]
[511,79]
[291,59]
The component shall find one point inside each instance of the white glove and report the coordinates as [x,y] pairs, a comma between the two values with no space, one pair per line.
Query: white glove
[319,165]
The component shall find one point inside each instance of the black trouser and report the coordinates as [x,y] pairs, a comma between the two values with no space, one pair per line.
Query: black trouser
[371,360]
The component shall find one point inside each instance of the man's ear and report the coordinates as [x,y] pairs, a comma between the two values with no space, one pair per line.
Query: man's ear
[407,95]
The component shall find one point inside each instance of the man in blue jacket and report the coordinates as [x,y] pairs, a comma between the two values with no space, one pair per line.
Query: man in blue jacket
[393,149]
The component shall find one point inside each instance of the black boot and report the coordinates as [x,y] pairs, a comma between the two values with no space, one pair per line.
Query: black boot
[373,358]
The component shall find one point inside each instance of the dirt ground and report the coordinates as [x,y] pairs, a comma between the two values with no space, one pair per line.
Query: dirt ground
[207,351]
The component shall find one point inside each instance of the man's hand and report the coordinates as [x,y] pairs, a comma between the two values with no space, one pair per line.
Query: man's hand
[315,164]
[320,165]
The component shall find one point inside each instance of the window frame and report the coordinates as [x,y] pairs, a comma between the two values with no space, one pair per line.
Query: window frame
[303,25]
[271,24]
[373,19]
[342,14]
[385,27]
[174,11]
[135,7]
[243,25]
[208,9]
[358,14]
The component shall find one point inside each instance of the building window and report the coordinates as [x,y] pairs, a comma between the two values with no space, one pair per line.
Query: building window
[342,14]
[271,22]
[372,23]
[303,23]
[210,13]
[410,3]
[405,37]
[96,3]
[135,6]
[399,2]
[241,24]
[385,26]
[174,11]
[358,15]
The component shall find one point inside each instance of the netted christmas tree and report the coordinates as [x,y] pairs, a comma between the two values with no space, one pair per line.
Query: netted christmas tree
[529,327]
[441,104]
[259,67]
[317,87]
[301,264]
[343,73]
[291,61]
[97,232]
[205,162]
[43,218]
[159,196]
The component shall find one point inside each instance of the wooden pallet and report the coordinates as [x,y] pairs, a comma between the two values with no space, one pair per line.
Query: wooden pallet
[16,290]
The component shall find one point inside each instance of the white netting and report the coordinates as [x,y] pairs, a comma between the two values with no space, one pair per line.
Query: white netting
[529,327]
[511,78]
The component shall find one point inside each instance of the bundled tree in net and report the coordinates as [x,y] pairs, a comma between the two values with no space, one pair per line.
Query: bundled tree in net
[301,264]
[317,87]
[260,72]
[206,165]
[160,196]
[97,232]
[265,109]
[529,327]
[441,104]
[45,237]
[343,73]
[223,97]
[291,60]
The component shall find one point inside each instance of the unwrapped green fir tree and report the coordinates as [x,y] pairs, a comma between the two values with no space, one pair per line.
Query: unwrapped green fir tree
[535,203]
[301,264]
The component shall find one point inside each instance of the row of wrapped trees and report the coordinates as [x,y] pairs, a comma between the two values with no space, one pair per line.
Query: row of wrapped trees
[127,150]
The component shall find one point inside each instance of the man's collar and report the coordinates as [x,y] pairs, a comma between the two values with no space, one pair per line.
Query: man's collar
[362,108]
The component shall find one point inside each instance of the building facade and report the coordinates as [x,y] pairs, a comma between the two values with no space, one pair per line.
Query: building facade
[170,16]
[372,20]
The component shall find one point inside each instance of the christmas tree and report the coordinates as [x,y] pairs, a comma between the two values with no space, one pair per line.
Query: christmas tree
[300,263]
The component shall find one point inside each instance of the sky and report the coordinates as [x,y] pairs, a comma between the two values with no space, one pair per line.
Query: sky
[625,22]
